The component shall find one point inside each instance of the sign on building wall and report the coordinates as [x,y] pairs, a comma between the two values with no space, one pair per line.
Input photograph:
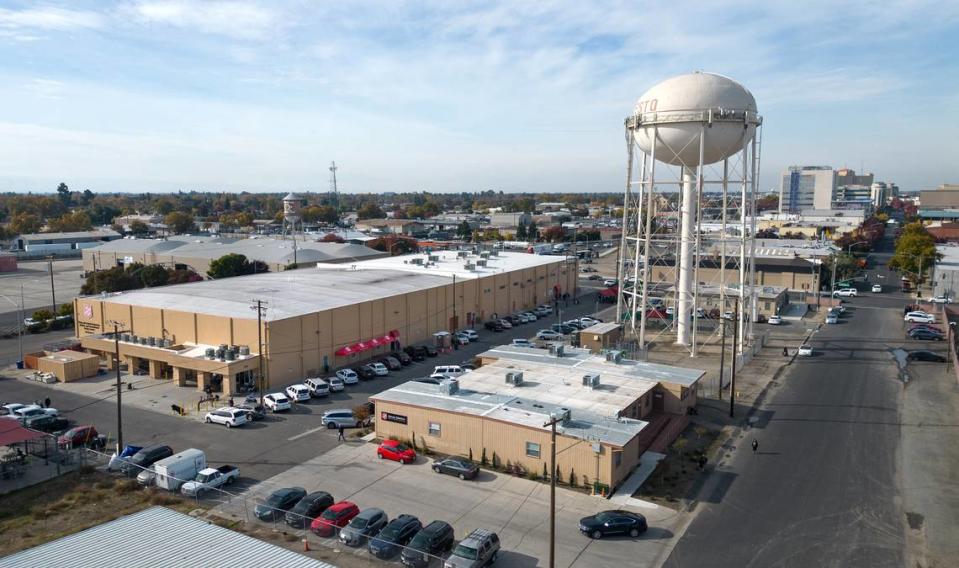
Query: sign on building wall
[390,417]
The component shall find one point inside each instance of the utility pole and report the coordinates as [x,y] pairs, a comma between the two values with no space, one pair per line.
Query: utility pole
[53,292]
[20,324]
[116,344]
[552,488]
[732,383]
[722,353]
[260,307]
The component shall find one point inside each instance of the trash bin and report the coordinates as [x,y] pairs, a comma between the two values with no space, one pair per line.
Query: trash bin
[19,364]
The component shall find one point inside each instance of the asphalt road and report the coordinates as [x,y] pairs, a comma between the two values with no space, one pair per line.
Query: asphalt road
[824,487]
[261,449]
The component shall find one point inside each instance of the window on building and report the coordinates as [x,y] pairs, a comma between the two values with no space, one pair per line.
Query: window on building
[617,458]
[683,393]
[767,306]
[435,429]
[532,450]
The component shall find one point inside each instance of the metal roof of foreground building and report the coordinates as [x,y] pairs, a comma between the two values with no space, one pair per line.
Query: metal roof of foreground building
[159,537]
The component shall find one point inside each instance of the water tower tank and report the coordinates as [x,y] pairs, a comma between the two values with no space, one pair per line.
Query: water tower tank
[678,107]
[291,208]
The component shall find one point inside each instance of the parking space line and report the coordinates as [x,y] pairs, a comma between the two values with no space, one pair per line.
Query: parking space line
[307,433]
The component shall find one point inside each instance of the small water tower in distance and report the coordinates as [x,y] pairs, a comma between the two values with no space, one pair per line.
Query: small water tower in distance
[291,213]
[696,136]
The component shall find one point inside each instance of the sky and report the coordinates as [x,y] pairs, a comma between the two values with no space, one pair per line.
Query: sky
[232,95]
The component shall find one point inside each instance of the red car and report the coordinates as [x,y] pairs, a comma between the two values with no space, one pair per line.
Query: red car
[335,517]
[396,451]
[78,437]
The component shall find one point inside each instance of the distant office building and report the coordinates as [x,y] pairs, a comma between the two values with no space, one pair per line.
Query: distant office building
[846,176]
[806,187]
[948,187]
[52,243]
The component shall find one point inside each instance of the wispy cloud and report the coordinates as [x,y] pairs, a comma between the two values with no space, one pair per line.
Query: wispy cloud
[19,25]
[237,19]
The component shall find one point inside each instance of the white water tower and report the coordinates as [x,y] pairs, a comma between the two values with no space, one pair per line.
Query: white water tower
[291,212]
[685,126]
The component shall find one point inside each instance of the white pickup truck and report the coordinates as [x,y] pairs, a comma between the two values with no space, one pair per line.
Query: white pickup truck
[211,478]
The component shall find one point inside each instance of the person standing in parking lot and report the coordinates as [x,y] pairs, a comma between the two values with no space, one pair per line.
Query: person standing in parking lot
[341,437]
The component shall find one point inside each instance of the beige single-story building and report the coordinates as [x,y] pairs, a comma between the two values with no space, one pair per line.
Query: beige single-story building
[313,320]
[69,365]
[611,410]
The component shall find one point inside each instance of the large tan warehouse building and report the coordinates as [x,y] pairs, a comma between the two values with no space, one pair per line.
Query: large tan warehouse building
[315,319]
[617,409]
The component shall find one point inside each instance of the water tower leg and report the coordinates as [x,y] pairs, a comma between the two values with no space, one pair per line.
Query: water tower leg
[685,261]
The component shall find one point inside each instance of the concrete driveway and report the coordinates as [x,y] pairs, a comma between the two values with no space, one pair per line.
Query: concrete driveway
[516,509]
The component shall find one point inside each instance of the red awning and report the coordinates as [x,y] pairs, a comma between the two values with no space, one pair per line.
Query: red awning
[609,292]
[344,351]
[375,342]
[361,346]
[387,339]
[395,333]
[11,432]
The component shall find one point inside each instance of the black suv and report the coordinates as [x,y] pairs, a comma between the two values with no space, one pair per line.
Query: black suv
[493,325]
[435,539]
[416,352]
[394,535]
[402,356]
[366,372]
[144,459]
[307,509]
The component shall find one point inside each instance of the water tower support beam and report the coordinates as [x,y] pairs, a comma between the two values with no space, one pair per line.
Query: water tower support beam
[741,324]
[648,234]
[685,260]
[699,232]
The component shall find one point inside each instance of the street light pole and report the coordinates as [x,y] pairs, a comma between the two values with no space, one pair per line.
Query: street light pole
[552,489]
[260,307]
[116,346]
[732,383]
[53,292]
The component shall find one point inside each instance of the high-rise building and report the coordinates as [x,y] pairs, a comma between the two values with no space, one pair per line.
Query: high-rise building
[846,176]
[806,187]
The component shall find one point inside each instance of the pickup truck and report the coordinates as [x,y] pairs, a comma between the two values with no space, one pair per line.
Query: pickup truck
[211,478]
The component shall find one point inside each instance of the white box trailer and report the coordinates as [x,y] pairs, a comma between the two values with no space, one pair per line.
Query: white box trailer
[174,471]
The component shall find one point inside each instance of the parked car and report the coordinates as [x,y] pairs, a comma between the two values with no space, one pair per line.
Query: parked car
[340,417]
[391,363]
[417,352]
[548,335]
[609,282]
[845,293]
[588,321]
[367,524]
[926,335]
[46,423]
[775,320]
[430,542]
[308,508]
[928,326]
[513,319]
[476,550]
[471,333]
[227,416]
[80,436]
[575,324]
[462,338]
[318,387]
[278,503]
[380,369]
[348,376]
[506,323]
[563,328]
[298,392]
[396,534]
[805,350]
[919,317]
[335,384]
[925,355]
[832,318]
[145,458]
[253,411]
[609,523]
[402,357]
[211,478]
[543,310]
[522,343]
[147,477]
[877,288]
[594,277]
[452,371]
[461,468]
[30,410]
[277,402]
[526,318]
[431,351]
[117,460]
[335,517]
[366,372]
[942,300]
[396,451]
[494,325]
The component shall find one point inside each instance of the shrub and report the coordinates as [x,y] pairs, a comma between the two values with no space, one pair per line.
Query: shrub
[471,454]
[572,478]
[483,459]
[545,472]
[496,462]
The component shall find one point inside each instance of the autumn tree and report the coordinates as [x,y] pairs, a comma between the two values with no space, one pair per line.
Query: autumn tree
[179,222]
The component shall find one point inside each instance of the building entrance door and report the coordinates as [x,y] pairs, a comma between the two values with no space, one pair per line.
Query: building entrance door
[658,401]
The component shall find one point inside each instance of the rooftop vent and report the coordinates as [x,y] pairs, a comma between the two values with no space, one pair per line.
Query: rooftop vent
[514,378]
[484,254]
[591,380]
[557,349]
[418,261]
[469,266]
[614,356]
[449,386]
[434,257]
[481,262]
[560,414]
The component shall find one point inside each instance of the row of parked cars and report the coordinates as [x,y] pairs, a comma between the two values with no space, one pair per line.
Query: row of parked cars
[558,330]
[513,320]
[416,544]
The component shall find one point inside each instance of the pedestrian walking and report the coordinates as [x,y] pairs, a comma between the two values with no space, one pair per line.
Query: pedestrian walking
[785,352]
[46,402]
[702,462]
[341,437]
[755,445]
[231,402]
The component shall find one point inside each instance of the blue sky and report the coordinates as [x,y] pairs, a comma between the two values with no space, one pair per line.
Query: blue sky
[161,95]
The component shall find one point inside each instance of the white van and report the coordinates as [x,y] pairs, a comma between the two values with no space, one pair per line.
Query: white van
[174,471]
[318,387]
[451,371]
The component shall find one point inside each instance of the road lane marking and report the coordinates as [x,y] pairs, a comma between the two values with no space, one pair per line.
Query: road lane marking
[307,433]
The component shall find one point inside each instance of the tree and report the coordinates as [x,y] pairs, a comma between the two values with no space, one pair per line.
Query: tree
[42,315]
[75,221]
[554,234]
[845,265]
[915,251]
[86,197]
[65,310]
[393,244]
[25,223]
[233,264]
[154,275]
[182,276]
[179,222]
[63,193]
[532,233]
[370,210]
[464,231]
[332,238]
[116,279]
[139,228]
[521,232]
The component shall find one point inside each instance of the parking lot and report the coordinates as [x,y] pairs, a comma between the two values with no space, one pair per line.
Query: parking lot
[516,509]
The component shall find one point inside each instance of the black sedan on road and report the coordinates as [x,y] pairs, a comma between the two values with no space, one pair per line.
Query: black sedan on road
[609,523]
[278,503]
[460,468]
[925,355]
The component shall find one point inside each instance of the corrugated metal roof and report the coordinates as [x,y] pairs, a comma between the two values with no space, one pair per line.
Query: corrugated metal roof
[94,234]
[162,538]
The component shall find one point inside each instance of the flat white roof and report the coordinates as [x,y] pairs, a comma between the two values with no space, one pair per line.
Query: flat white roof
[448,263]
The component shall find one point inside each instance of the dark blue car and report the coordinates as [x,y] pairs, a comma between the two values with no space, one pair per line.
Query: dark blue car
[926,335]
[394,536]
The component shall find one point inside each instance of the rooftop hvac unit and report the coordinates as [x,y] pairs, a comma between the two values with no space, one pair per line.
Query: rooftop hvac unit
[557,349]
[591,380]
[494,252]
[418,261]
[229,355]
[469,266]
[462,254]
[152,341]
[434,257]
[484,254]
[450,386]
[244,350]
[560,414]
[614,356]
[481,262]
[514,378]
[211,353]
